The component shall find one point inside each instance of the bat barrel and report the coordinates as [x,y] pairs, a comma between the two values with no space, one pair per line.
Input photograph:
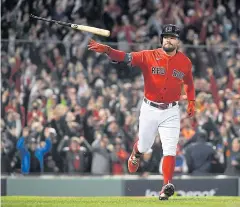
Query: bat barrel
[94,30]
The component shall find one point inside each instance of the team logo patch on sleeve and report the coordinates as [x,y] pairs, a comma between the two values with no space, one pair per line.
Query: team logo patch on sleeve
[158,70]
[178,74]
[128,58]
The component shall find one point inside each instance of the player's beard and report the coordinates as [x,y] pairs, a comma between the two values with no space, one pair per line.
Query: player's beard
[169,49]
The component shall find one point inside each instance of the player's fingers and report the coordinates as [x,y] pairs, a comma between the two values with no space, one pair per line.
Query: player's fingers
[95,49]
[91,44]
[92,41]
[92,48]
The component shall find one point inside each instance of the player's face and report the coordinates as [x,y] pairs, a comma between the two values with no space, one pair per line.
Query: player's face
[170,43]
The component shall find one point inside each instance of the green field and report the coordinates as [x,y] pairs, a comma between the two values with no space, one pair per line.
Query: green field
[28,201]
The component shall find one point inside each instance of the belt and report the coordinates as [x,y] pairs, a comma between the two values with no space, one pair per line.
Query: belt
[160,106]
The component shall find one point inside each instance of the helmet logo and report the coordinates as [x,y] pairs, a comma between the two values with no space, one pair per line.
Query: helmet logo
[168,29]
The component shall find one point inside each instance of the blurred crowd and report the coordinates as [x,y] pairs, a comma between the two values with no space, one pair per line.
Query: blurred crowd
[51,82]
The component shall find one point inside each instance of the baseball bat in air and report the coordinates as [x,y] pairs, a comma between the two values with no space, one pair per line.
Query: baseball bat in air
[94,30]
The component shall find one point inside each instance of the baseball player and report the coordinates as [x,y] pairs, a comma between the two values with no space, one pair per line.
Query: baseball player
[166,70]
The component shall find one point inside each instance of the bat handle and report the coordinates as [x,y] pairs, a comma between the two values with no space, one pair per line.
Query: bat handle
[63,23]
[40,18]
[52,21]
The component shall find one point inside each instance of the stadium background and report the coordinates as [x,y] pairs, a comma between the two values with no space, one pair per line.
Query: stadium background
[50,79]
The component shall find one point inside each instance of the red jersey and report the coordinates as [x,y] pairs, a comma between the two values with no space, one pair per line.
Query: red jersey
[164,75]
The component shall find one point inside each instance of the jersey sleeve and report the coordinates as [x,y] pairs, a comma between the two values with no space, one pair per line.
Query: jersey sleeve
[137,58]
[188,82]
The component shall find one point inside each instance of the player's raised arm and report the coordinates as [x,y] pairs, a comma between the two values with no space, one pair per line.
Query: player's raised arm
[134,58]
[188,81]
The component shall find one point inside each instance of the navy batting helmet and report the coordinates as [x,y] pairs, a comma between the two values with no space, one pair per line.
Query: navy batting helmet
[170,29]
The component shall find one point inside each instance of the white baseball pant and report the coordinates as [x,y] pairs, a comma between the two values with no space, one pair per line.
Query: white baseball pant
[166,122]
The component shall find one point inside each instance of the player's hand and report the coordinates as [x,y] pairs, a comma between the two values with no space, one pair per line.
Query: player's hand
[97,47]
[191,108]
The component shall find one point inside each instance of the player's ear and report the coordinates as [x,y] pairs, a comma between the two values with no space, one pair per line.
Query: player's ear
[178,43]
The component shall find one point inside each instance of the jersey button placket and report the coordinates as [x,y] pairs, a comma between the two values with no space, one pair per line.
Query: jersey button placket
[166,79]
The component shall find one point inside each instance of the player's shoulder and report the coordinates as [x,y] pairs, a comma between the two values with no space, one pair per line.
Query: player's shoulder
[144,51]
[184,57]
[154,52]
